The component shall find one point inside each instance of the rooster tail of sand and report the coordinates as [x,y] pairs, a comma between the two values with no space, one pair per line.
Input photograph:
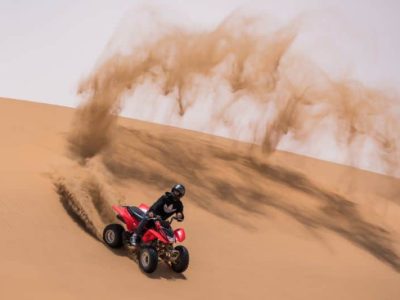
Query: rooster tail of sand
[244,80]
[87,195]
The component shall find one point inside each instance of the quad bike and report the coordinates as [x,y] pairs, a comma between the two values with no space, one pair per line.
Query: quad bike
[157,243]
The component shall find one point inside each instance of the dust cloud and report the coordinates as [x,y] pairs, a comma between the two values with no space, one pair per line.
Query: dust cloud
[87,195]
[241,68]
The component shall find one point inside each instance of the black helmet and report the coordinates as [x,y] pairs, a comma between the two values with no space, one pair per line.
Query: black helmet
[178,190]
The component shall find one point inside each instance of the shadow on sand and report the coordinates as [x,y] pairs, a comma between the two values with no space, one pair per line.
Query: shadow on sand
[161,160]
[162,272]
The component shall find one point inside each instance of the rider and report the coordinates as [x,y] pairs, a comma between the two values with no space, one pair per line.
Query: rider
[164,207]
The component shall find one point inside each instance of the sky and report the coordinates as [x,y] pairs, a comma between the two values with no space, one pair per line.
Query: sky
[47,47]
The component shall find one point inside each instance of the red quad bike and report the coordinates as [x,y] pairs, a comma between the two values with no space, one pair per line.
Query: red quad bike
[157,243]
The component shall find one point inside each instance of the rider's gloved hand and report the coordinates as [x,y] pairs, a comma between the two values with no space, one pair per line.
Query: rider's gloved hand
[151,214]
[179,217]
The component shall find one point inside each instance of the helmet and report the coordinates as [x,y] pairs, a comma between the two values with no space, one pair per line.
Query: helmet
[178,190]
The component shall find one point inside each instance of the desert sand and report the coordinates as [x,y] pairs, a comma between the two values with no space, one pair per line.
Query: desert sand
[276,227]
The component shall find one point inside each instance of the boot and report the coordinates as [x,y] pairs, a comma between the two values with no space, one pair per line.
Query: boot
[135,239]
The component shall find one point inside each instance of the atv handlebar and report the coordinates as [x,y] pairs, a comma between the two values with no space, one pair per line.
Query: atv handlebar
[158,218]
[175,218]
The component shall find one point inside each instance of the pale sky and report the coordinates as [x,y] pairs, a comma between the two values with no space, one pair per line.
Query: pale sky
[48,46]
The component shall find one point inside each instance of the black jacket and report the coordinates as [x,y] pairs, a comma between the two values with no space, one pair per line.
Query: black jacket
[166,206]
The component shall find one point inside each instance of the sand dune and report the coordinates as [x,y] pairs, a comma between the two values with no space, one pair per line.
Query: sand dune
[286,227]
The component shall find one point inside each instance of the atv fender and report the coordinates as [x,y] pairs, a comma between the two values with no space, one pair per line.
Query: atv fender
[180,234]
[151,235]
[130,222]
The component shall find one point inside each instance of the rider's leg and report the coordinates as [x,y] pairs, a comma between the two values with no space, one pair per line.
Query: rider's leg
[140,230]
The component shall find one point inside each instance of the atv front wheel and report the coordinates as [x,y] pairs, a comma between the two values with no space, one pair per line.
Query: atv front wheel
[148,259]
[182,262]
[112,235]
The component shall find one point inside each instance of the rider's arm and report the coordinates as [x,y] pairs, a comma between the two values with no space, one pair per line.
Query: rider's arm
[179,213]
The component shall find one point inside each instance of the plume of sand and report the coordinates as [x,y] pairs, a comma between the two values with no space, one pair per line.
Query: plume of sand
[87,195]
[258,69]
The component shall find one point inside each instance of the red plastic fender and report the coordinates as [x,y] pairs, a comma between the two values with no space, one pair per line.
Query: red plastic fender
[180,234]
[130,222]
[151,234]
[144,207]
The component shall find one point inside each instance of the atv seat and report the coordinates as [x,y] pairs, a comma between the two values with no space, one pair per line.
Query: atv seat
[136,212]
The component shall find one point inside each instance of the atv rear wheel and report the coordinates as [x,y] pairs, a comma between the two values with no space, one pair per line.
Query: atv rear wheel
[112,235]
[148,259]
[182,262]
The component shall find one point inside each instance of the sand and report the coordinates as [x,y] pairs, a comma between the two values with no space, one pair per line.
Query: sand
[286,227]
